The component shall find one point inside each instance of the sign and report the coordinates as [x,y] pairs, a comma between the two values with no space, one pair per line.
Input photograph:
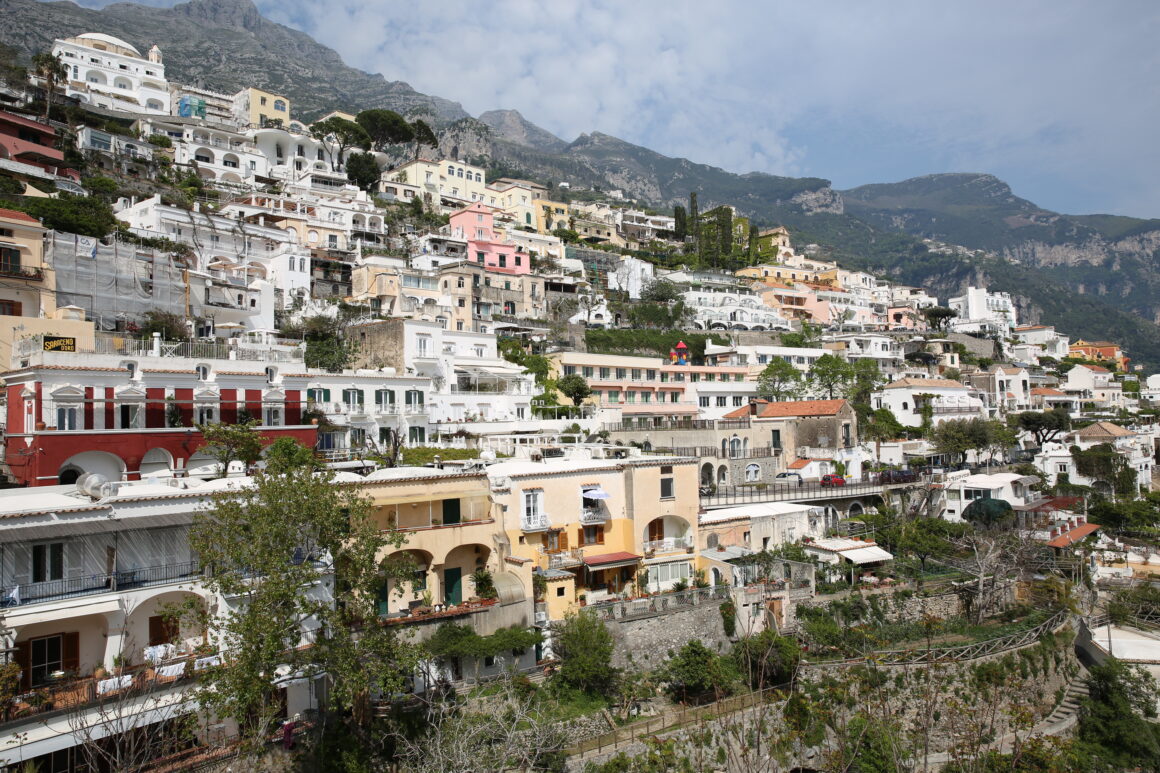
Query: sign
[60,344]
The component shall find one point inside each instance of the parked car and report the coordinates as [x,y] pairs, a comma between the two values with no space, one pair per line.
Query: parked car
[833,480]
[788,477]
[897,476]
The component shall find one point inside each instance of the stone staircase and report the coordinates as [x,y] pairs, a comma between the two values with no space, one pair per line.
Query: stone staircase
[1066,714]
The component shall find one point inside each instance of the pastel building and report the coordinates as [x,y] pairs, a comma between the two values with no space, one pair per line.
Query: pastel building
[107,72]
[476,224]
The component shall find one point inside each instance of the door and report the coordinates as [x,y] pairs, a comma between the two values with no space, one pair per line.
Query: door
[656,530]
[452,586]
[450,511]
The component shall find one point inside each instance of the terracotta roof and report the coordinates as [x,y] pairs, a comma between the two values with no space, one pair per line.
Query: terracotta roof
[12,214]
[610,558]
[801,464]
[1047,391]
[768,410]
[907,383]
[1074,536]
[1030,327]
[1103,429]
[1094,368]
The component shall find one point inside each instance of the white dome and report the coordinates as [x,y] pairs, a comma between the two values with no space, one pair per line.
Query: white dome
[101,37]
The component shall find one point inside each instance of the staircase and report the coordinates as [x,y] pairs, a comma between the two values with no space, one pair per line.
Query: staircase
[1066,714]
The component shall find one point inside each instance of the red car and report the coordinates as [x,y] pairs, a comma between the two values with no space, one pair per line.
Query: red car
[833,480]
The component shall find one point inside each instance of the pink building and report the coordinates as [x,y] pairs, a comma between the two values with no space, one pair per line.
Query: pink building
[476,224]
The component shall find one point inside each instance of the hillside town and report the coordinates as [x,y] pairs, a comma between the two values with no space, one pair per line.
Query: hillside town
[315,428]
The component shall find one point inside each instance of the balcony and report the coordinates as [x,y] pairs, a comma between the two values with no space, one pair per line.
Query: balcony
[16,271]
[593,515]
[538,522]
[125,579]
[668,545]
[565,559]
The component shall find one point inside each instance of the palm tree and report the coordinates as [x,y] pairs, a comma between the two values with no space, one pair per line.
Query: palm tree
[53,71]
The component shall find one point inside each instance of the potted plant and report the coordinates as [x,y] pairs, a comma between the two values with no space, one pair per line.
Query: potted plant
[583,600]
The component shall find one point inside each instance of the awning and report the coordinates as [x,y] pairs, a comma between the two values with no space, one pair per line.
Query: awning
[611,560]
[1074,536]
[867,555]
[596,493]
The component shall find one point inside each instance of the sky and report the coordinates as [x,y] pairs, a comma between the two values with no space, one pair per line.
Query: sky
[1058,98]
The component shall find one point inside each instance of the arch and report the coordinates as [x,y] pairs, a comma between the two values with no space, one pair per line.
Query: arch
[122,83]
[141,631]
[157,462]
[97,77]
[455,571]
[204,156]
[207,174]
[231,160]
[855,510]
[231,177]
[666,533]
[752,473]
[101,462]
[154,104]
[707,474]
[723,475]
[716,578]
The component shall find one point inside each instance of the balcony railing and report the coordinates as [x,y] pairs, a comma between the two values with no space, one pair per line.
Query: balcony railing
[21,272]
[534,523]
[668,545]
[124,579]
[593,515]
[565,559]
[135,347]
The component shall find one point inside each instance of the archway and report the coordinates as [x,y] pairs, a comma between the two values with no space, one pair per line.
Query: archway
[722,475]
[157,462]
[400,595]
[100,462]
[855,510]
[707,474]
[456,571]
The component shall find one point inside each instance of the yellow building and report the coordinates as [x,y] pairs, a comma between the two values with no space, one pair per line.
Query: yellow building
[596,528]
[254,107]
[29,286]
[452,182]
[552,215]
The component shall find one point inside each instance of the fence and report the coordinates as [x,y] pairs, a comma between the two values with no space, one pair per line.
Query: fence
[660,604]
[51,590]
[781,492]
[672,720]
[971,651]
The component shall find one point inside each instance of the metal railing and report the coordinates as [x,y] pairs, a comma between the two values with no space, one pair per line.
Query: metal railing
[670,423]
[21,272]
[658,604]
[668,545]
[135,347]
[538,523]
[786,492]
[123,579]
[565,558]
[593,515]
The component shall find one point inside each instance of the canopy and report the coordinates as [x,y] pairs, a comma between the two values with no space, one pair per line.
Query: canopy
[611,560]
[596,493]
[871,554]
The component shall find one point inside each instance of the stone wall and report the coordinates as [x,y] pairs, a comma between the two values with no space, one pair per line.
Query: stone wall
[901,604]
[647,640]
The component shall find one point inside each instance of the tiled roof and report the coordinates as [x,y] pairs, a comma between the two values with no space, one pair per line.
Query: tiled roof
[1094,368]
[1103,429]
[1047,392]
[801,464]
[1074,536]
[768,410]
[12,214]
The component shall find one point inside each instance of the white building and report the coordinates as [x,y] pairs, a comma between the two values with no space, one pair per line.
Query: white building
[907,399]
[1035,341]
[1096,385]
[980,311]
[631,276]
[736,308]
[217,152]
[1136,446]
[108,72]
[883,350]
[961,490]
[756,357]
[86,574]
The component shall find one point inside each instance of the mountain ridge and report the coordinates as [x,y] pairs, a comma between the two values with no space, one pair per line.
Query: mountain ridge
[1101,266]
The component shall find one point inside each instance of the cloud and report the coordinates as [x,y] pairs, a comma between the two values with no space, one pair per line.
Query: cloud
[1055,96]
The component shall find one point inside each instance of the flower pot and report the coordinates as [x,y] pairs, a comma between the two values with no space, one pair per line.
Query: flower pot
[40,426]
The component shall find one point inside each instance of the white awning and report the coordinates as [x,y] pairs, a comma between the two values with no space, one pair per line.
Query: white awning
[867,555]
[596,493]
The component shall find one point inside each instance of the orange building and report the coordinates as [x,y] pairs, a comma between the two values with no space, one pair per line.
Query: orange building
[1100,351]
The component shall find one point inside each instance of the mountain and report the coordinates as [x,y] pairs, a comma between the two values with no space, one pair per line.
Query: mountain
[1094,276]
[1113,258]
[512,126]
[225,45]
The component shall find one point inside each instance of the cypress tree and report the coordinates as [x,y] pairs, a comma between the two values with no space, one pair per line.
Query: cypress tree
[681,223]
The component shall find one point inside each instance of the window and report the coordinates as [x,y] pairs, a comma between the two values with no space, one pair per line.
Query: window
[417,435]
[560,591]
[621,373]
[280,105]
[614,395]
[131,417]
[667,488]
[569,370]
[662,573]
[752,472]
[9,260]
[423,346]
[318,395]
[587,371]
[1061,468]
[605,372]
[591,535]
[722,401]
[738,401]
[206,415]
[414,398]
[47,657]
[272,416]
[636,374]
[503,261]
[66,417]
[533,506]
[48,562]
[479,256]
[703,401]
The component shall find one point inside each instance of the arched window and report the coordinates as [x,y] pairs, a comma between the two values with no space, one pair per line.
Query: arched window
[752,473]
[280,105]
[202,372]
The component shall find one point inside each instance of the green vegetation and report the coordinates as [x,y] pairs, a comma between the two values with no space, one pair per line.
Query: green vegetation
[421,456]
[584,647]
[654,342]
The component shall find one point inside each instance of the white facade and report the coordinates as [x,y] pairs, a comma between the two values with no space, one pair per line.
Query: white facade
[108,72]
[757,357]
[218,152]
[631,276]
[984,312]
[731,309]
[947,399]
[961,490]
[1035,341]
[1093,384]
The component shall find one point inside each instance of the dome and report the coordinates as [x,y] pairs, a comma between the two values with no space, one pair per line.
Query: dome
[101,37]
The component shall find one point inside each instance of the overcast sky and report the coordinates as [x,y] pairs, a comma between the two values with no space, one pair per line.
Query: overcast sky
[1057,97]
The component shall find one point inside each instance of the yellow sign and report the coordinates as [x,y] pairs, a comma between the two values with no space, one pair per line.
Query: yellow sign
[60,344]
